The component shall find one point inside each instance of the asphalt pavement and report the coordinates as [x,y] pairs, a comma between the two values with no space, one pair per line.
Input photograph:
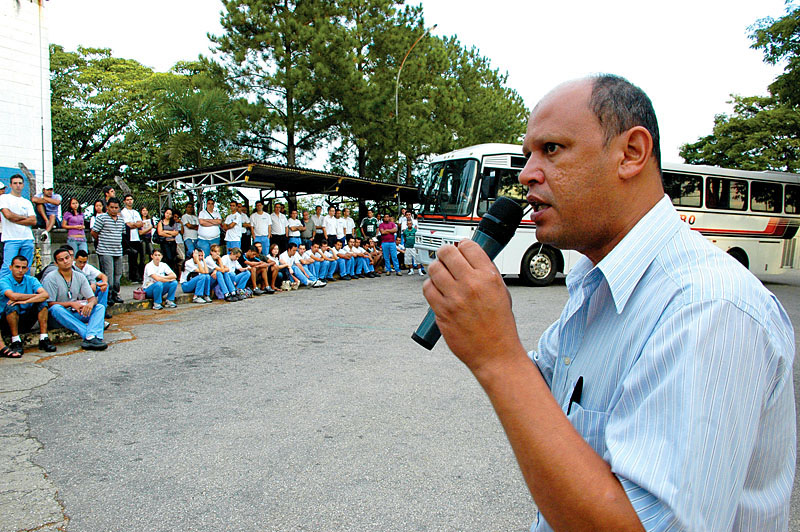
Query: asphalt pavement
[309,410]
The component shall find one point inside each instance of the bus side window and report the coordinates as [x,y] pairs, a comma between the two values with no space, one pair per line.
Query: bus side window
[792,199]
[723,193]
[500,182]
[684,190]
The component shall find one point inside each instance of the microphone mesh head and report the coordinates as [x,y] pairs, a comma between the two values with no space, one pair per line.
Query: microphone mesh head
[501,220]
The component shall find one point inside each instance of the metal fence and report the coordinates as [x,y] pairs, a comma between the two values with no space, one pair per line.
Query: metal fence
[86,197]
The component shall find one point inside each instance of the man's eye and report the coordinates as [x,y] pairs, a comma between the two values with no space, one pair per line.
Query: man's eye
[550,147]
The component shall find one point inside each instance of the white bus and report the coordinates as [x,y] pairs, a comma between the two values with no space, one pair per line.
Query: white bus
[754,216]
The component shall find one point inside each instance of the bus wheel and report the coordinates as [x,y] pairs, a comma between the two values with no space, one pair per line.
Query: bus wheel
[539,266]
[740,255]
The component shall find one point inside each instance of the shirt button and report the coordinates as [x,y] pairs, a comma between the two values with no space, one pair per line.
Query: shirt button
[567,361]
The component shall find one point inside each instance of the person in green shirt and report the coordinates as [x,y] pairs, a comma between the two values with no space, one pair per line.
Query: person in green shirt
[369,226]
[412,255]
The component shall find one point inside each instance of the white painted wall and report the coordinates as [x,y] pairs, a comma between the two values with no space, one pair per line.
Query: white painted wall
[25,127]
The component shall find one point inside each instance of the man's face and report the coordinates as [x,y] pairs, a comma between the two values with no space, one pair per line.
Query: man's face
[48,192]
[234,207]
[331,211]
[17,185]
[338,214]
[113,209]
[301,248]
[314,248]
[259,208]
[386,219]
[210,206]
[293,214]
[369,214]
[277,208]
[64,261]
[569,173]
[111,193]
[80,262]
[305,215]
[350,242]
[259,248]
[250,253]
[18,269]
[243,208]
[318,210]
[129,202]
[190,209]
[346,213]
[291,251]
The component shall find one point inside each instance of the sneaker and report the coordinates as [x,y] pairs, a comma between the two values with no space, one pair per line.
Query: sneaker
[106,325]
[398,274]
[157,306]
[410,272]
[46,345]
[346,278]
[170,304]
[295,285]
[116,299]
[17,346]
[95,344]
[269,291]
[388,273]
[422,272]
[198,299]
[208,299]
[258,292]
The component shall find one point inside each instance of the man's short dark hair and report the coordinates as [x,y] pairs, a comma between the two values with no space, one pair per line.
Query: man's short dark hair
[106,189]
[59,251]
[126,196]
[620,105]
[21,258]
[252,248]
[259,201]
[81,254]
[113,200]
[291,245]
[16,176]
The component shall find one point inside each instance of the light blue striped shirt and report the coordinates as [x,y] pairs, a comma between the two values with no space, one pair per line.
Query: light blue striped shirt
[686,362]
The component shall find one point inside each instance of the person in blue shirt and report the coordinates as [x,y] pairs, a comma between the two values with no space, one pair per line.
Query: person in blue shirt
[663,397]
[24,302]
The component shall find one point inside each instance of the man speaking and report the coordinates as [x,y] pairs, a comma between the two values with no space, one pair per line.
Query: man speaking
[662,398]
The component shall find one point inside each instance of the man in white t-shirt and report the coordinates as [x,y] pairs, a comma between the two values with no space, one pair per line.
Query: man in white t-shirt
[233,227]
[280,227]
[349,225]
[98,281]
[18,217]
[292,258]
[261,226]
[328,267]
[294,225]
[246,227]
[131,243]
[312,260]
[190,225]
[317,217]
[208,231]
[329,226]
[340,227]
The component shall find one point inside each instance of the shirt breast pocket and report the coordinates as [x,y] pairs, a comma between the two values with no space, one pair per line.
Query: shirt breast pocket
[591,425]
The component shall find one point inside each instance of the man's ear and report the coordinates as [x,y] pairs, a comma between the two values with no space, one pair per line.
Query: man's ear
[636,146]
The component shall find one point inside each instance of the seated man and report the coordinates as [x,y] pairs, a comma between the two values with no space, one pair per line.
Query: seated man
[25,302]
[343,259]
[237,275]
[364,265]
[329,266]
[272,273]
[375,254]
[311,266]
[260,271]
[401,252]
[97,279]
[47,205]
[298,271]
[73,304]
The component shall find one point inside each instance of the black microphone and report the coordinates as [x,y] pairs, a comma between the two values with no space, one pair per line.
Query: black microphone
[494,231]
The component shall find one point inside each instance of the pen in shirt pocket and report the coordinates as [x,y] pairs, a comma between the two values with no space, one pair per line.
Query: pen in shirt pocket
[576,394]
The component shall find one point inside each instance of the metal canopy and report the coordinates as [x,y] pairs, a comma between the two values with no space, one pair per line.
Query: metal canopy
[293,179]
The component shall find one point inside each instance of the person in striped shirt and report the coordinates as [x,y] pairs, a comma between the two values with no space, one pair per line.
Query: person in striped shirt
[107,230]
[662,398]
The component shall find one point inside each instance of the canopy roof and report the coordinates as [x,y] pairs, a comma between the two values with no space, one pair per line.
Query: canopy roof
[293,179]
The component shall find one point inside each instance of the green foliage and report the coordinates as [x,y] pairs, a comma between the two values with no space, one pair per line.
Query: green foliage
[762,133]
[278,54]
[96,101]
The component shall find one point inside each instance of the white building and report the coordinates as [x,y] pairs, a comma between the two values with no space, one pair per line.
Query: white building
[25,127]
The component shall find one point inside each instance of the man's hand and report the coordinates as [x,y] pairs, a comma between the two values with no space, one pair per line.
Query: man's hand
[86,309]
[102,285]
[472,306]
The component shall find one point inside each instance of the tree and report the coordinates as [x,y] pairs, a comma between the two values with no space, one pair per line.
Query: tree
[762,132]
[96,101]
[277,53]
[194,120]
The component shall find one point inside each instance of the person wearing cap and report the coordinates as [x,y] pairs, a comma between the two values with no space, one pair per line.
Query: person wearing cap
[47,209]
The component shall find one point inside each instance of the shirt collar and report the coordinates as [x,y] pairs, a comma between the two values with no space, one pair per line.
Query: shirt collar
[625,265]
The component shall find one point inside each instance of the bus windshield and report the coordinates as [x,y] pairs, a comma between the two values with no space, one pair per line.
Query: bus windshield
[448,188]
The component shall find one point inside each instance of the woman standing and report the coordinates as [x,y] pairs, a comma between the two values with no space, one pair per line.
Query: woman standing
[167,230]
[74,222]
[146,231]
[99,208]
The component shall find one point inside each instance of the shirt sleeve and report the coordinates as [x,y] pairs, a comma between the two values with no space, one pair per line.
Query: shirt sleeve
[98,224]
[681,444]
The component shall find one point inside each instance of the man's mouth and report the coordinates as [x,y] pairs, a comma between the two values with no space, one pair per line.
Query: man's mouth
[538,206]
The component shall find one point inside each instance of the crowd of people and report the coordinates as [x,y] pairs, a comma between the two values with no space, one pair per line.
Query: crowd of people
[231,258]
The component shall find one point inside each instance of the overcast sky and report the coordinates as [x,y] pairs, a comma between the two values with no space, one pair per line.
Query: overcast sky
[689,56]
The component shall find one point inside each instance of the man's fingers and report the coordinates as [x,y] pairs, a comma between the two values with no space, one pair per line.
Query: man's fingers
[452,259]
[475,255]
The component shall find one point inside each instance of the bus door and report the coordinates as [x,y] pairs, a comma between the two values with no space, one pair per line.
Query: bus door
[496,182]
